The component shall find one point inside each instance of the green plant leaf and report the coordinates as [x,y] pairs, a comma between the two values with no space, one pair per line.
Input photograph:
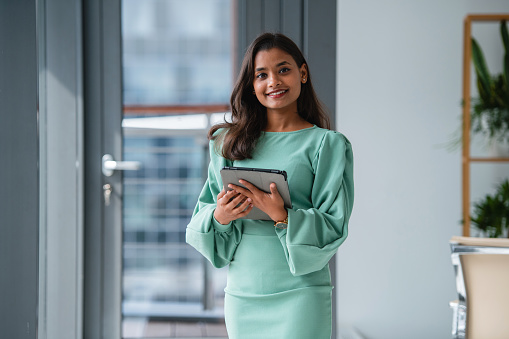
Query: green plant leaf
[505,40]
[490,110]
[483,75]
[491,214]
[505,35]
[506,77]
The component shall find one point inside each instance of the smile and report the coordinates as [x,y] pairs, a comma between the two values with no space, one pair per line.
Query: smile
[277,94]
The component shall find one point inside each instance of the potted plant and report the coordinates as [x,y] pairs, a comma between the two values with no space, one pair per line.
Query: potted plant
[490,111]
[491,214]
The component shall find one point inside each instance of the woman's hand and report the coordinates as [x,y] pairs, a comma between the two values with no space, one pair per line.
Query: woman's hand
[271,203]
[231,205]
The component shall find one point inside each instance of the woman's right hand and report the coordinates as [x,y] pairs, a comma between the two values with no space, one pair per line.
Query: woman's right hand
[231,205]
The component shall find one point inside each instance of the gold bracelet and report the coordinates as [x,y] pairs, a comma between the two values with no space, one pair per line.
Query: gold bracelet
[283,223]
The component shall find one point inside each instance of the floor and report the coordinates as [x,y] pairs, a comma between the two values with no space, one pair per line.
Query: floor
[143,328]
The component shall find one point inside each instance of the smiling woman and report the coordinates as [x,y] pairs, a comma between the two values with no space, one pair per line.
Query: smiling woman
[279,283]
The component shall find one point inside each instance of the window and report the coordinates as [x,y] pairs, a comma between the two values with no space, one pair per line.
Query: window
[177,72]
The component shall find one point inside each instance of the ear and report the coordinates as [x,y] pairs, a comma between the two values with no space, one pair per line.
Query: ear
[303,73]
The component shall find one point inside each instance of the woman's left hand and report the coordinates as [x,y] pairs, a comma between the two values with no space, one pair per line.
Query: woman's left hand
[271,203]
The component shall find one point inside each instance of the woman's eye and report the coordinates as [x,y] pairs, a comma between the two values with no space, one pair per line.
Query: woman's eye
[261,75]
[284,70]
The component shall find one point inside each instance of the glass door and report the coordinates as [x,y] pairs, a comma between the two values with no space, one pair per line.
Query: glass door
[177,79]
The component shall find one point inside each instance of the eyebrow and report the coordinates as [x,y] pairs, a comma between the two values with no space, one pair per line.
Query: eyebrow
[280,64]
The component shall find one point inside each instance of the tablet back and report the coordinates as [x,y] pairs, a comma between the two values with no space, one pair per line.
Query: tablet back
[261,178]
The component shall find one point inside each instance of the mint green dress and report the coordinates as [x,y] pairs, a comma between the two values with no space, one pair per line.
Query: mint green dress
[278,283]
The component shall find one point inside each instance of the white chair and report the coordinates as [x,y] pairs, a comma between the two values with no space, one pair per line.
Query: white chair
[482,280]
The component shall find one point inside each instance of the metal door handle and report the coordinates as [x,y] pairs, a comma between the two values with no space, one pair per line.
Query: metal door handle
[110,165]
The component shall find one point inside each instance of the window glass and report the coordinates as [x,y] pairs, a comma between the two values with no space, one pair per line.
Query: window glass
[176,53]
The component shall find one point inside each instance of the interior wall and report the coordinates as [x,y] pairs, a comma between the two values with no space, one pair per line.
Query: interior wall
[399,94]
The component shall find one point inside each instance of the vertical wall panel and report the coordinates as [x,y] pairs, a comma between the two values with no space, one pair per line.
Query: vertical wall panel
[320,49]
[272,15]
[319,20]
[253,21]
[19,187]
[291,20]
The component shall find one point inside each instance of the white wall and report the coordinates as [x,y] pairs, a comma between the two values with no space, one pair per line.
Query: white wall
[399,92]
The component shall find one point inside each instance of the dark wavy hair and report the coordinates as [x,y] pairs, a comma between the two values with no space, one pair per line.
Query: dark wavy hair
[237,139]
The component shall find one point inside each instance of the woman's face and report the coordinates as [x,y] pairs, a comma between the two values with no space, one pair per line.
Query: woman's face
[277,80]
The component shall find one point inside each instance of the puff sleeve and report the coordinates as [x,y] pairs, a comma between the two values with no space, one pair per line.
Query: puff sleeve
[314,235]
[214,241]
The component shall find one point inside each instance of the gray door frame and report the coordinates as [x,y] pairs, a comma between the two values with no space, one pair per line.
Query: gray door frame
[61,169]
[103,135]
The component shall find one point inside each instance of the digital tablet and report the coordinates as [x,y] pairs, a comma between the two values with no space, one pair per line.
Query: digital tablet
[261,178]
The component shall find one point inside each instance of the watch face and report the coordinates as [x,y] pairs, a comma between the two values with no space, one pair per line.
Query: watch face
[281,225]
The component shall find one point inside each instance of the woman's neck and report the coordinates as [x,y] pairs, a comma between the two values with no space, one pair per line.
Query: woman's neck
[285,123]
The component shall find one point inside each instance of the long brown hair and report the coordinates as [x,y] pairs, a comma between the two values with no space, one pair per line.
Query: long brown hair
[237,138]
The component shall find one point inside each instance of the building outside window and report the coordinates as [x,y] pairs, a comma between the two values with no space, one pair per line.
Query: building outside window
[177,80]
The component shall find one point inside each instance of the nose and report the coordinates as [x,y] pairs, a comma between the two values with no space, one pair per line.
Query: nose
[274,80]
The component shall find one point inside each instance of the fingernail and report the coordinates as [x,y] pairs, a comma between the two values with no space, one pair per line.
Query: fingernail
[249,199]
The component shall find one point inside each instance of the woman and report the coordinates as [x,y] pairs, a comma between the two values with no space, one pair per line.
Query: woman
[278,283]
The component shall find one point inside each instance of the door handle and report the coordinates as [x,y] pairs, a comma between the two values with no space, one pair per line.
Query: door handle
[109,165]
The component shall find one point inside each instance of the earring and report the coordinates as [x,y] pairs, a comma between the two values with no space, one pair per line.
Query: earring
[254,92]
[304,80]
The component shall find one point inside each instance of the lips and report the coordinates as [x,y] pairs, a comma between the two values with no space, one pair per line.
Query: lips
[277,94]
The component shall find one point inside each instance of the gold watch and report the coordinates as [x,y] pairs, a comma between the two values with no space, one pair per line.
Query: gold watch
[283,224]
